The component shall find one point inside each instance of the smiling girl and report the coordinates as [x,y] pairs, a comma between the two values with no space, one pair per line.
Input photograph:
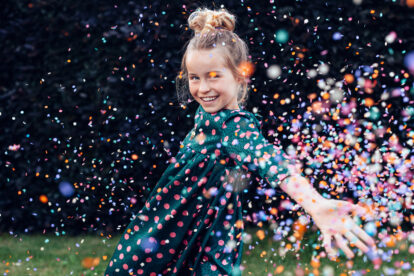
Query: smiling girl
[192,222]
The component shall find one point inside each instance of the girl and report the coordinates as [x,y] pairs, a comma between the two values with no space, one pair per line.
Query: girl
[192,223]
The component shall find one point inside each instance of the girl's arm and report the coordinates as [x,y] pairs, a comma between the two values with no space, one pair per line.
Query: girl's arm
[300,190]
[244,142]
[331,216]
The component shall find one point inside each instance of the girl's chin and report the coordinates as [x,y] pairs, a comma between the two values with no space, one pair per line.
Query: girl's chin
[209,108]
[212,109]
[209,105]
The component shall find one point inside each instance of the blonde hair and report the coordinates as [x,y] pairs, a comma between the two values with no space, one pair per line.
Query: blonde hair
[214,28]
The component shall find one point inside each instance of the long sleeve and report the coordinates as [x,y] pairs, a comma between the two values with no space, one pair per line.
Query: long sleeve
[243,141]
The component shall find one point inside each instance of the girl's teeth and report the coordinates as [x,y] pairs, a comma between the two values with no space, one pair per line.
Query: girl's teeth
[209,99]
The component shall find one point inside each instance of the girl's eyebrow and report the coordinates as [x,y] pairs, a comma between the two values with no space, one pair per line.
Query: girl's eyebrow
[207,73]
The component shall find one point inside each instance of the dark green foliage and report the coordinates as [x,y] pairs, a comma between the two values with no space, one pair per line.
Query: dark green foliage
[85,85]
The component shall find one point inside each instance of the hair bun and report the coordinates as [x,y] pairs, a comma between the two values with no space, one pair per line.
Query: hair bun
[204,20]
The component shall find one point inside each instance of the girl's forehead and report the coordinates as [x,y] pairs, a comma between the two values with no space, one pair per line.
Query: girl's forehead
[209,51]
[199,59]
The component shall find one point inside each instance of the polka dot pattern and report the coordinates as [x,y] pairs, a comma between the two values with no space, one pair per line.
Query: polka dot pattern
[191,222]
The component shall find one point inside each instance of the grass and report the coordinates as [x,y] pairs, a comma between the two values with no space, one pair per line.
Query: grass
[267,257]
[89,255]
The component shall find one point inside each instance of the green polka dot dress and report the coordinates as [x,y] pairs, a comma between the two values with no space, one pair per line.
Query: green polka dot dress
[192,223]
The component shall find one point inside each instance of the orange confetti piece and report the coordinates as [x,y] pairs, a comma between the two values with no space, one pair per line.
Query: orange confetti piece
[317,107]
[312,96]
[349,78]
[390,241]
[239,223]
[212,74]
[279,269]
[299,230]
[369,102]
[89,262]
[246,68]
[315,263]
[260,234]
[43,199]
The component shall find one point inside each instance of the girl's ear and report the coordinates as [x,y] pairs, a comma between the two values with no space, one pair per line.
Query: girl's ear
[238,76]
[241,80]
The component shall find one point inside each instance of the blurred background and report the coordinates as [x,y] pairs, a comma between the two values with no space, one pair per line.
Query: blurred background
[89,114]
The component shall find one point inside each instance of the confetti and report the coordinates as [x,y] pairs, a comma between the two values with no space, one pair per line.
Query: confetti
[334,87]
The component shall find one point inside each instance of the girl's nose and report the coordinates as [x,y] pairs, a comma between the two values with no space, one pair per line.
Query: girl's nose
[204,86]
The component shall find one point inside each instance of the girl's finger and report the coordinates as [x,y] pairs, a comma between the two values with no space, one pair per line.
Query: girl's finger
[363,235]
[342,245]
[353,240]
[328,246]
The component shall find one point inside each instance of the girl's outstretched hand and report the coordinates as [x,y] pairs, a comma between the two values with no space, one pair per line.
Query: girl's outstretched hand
[335,222]
[333,217]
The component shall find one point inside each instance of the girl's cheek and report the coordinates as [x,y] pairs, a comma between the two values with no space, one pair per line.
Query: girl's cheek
[194,87]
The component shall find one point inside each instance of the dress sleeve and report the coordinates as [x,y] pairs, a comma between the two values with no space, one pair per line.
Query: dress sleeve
[243,141]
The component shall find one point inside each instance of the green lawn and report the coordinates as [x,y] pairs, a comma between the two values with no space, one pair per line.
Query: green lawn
[52,255]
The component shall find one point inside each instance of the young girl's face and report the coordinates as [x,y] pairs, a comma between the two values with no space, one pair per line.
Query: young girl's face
[211,83]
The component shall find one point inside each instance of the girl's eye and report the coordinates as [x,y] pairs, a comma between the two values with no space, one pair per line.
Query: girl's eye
[213,75]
